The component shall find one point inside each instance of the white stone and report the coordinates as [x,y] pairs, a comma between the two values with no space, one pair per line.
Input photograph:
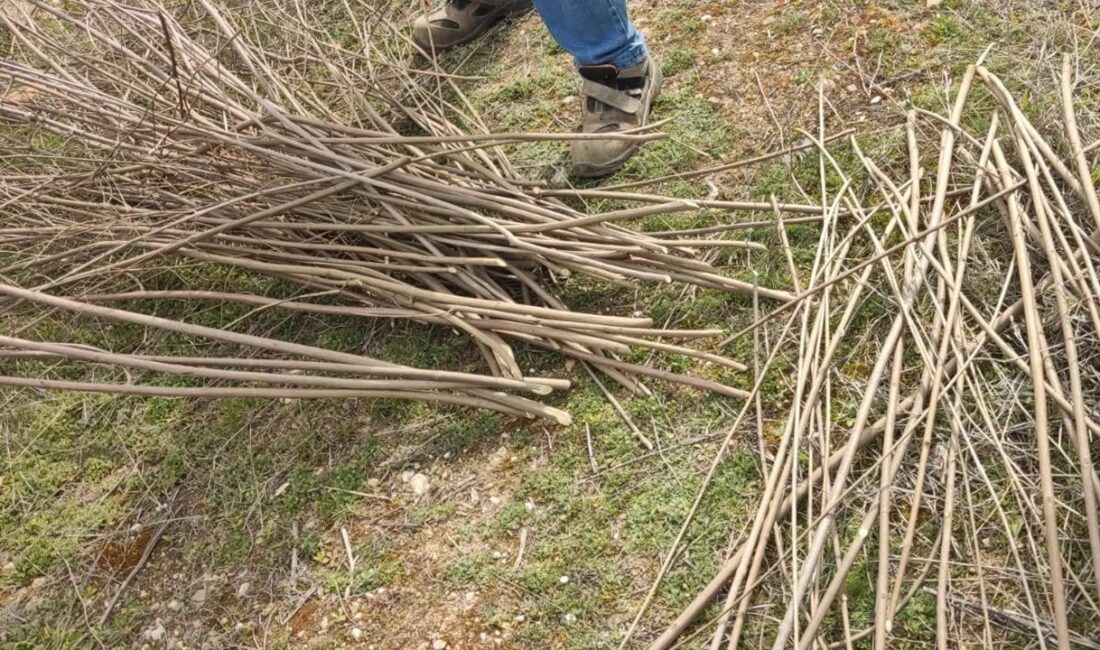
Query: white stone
[356,633]
[155,633]
[419,484]
[439,644]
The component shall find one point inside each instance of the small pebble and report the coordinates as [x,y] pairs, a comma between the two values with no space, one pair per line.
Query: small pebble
[243,589]
[439,644]
[175,605]
[155,633]
[570,618]
[356,633]
[419,484]
[564,580]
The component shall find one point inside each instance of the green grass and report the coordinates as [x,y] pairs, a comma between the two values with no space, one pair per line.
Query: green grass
[376,565]
[677,61]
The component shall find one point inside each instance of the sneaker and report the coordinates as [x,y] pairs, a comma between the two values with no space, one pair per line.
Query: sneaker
[614,100]
[461,21]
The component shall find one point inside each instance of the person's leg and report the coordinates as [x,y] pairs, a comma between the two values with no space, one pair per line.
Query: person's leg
[620,80]
[594,31]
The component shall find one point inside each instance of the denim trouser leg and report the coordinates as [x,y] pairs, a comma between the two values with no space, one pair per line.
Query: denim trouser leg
[594,31]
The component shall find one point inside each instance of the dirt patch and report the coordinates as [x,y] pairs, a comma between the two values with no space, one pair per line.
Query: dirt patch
[423,608]
[121,557]
[302,620]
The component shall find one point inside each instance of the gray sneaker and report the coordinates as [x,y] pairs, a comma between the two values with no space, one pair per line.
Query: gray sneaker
[614,100]
[461,21]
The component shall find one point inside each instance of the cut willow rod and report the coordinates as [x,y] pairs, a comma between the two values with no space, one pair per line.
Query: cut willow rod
[180,369]
[378,367]
[1033,327]
[780,470]
[724,167]
[935,221]
[673,630]
[902,245]
[266,393]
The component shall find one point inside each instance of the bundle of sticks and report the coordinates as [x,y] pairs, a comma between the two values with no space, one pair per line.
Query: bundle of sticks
[184,142]
[978,489]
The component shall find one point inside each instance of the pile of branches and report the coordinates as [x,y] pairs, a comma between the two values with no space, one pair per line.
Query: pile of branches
[976,488]
[194,142]
[965,474]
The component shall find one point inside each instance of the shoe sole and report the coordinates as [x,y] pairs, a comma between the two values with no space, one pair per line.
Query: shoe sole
[491,20]
[612,166]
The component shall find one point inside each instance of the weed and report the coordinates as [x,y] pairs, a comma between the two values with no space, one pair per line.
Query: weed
[677,60]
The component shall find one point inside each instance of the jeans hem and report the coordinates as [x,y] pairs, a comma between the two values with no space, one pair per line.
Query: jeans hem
[628,59]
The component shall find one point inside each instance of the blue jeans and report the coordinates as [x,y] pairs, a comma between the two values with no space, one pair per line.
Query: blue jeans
[594,31]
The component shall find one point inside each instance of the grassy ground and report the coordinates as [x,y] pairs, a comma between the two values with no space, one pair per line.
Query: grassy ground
[526,536]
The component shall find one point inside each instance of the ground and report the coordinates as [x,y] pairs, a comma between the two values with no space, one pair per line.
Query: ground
[393,525]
